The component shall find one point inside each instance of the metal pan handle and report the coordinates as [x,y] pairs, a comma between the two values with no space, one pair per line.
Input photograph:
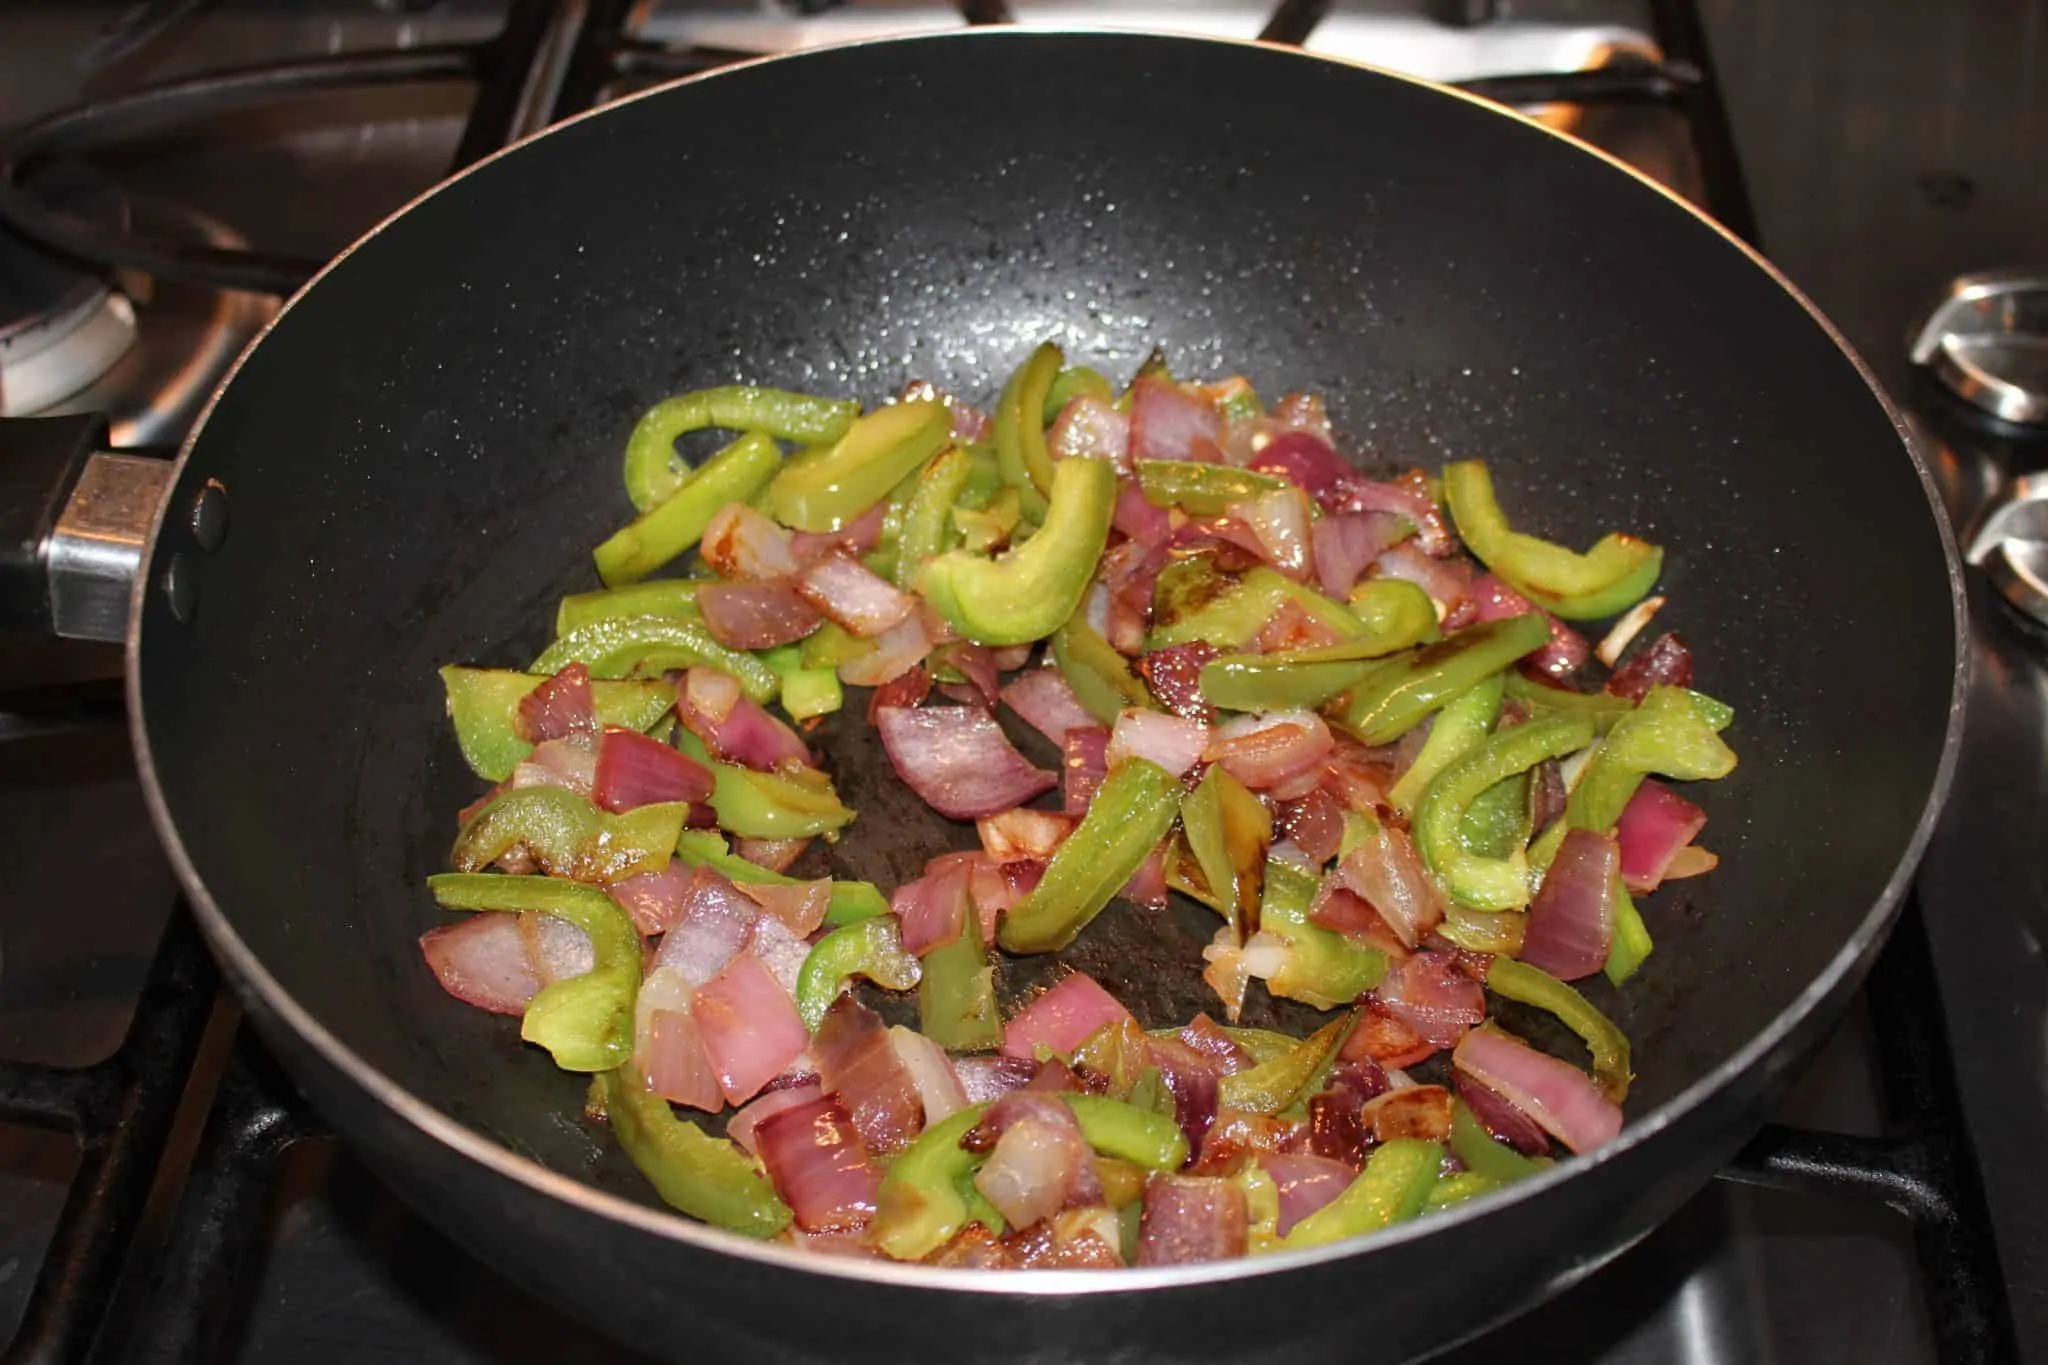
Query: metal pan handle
[74,524]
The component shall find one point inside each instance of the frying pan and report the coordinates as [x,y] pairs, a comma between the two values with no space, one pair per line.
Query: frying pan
[419,454]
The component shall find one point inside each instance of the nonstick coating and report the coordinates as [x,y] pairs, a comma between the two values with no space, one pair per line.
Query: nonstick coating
[422,452]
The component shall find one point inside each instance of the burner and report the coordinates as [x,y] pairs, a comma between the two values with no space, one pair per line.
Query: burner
[61,326]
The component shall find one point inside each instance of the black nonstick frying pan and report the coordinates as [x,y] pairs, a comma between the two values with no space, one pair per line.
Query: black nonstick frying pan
[420,453]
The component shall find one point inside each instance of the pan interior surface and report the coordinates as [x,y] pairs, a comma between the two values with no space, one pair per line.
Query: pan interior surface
[421,454]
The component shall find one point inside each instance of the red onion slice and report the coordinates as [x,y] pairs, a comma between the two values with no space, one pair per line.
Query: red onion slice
[1168,424]
[799,907]
[750,1026]
[939,1088]
[634,770]
[1388,872]
[1309,463]
[1571,921]
[1189,1219]
[1088,428]
[756,615]
[654,899]
[1505,1122]
[559,707]
[740,1127]
[1406,496]
[898,649]
[740,543]
[1047,704]
[1063,1018]
[929,909]
[958,759]
[1175,743]
[1137,518]
[484,961]
[714,924]
[1558,1096]
[1023,835]
[1039,1159]
[745,734]
[1429,994]
[1345,544]
[858,1063]
[1665,661]
[1269,750]
[814,1155]
[1305,1183]
[1174,675]
[1655,824]
[854,595]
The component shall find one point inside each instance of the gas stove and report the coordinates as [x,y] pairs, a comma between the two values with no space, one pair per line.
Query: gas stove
[164,1195]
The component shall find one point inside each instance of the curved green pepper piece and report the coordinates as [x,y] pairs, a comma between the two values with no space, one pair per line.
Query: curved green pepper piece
[1391,1189]
[1206,490]
[1263,1044]
[1128,1133]
[806,692]
[1194,601]
[569,836]
[1101,678]
[851,900]
[1632,943]
[706,1177]
[1604,581]
[1395,615]
[1029,592]
[1132,811]
[585,1021]
[1019,429]
[1602,708]
[1395,698]
[920,1206]
[872,948]
[1271,1086]
[616,646]
[1488,883]
[1077,382]
[1672,731]
[1454,1189]
[1608,1044]
[1461,727]
[956,999]
[1482,1154]
[1497,821]
[928,519]
[736,474]
[1228,830]
[757,805]
[484,704]
[824,490]
[653,471]
[674,597]
[1322,967]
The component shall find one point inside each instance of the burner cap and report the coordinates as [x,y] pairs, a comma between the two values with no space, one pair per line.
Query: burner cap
[61,326]
[1988,342]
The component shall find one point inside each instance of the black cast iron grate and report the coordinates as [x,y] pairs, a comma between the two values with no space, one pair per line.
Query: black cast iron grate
[121,1110]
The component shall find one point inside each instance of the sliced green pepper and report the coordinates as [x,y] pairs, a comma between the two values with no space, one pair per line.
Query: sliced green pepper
[1228,831]
[618,645]
[984,530]
[1101,678]
[831,645]
[1672,731]
[1263,1044]
[736,474]
[851,900]
[757,805]
[675,597]
[585,1022]
[920,1206]
[1395,613]
[484,704]
[1602,708]
[956,999]
[1077,382]
[1632,942]
[1461,727]
[872,948]
[825,490]
[1534,986]
[1028,592]
[1391,1189]
[806,692]
[928,519]
[1454,1189]
[1497,821]
[1019,429]
[1194,601]
[1323,968]
[1129,1133]
[653,470]
[1395,698]
[1483,1154]
[1488,883]
[1271,1086]
[1131,813]
[706,1177]
[569,836]
[1206,490]
[1604,581]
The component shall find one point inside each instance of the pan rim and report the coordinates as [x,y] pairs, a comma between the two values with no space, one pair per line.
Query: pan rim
[1860,946]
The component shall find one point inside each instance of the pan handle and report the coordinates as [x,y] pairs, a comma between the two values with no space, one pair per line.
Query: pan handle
[74,525]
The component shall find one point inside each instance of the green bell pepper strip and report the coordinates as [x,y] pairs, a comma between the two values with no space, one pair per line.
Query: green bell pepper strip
[825,490]
[1608,1044]
[1077,382]
[1483,1154]
[1237,400]
[1497,821]
[1396,615]
[1027,593]
[1461,727]
[616,646]
[585,1022]
[1672,731]
[1101,678]
[1228,830]
[757,805]
[1271,1086]
[1151,1093]
[1128,1132]
[1632,942]
[484,704]
[982,530]
[1206,490]
[1262,1043]
[956,998]
[1261,1208]
[653,470]
[805,692]
[569,836]
[662,532]
[1454,1189]
[1484,931]
[1395,698]
[851,901]
[872,948]
[1604,581]
[928,518]
[706,1177]
[675,597]
[1391,1189]
[1488,883]
[1194,601]
[1358,828]
[1132,811]
[1019,429]
[831,645]
[1323,968]
[1602,708]
[920,1206]
[984,476]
